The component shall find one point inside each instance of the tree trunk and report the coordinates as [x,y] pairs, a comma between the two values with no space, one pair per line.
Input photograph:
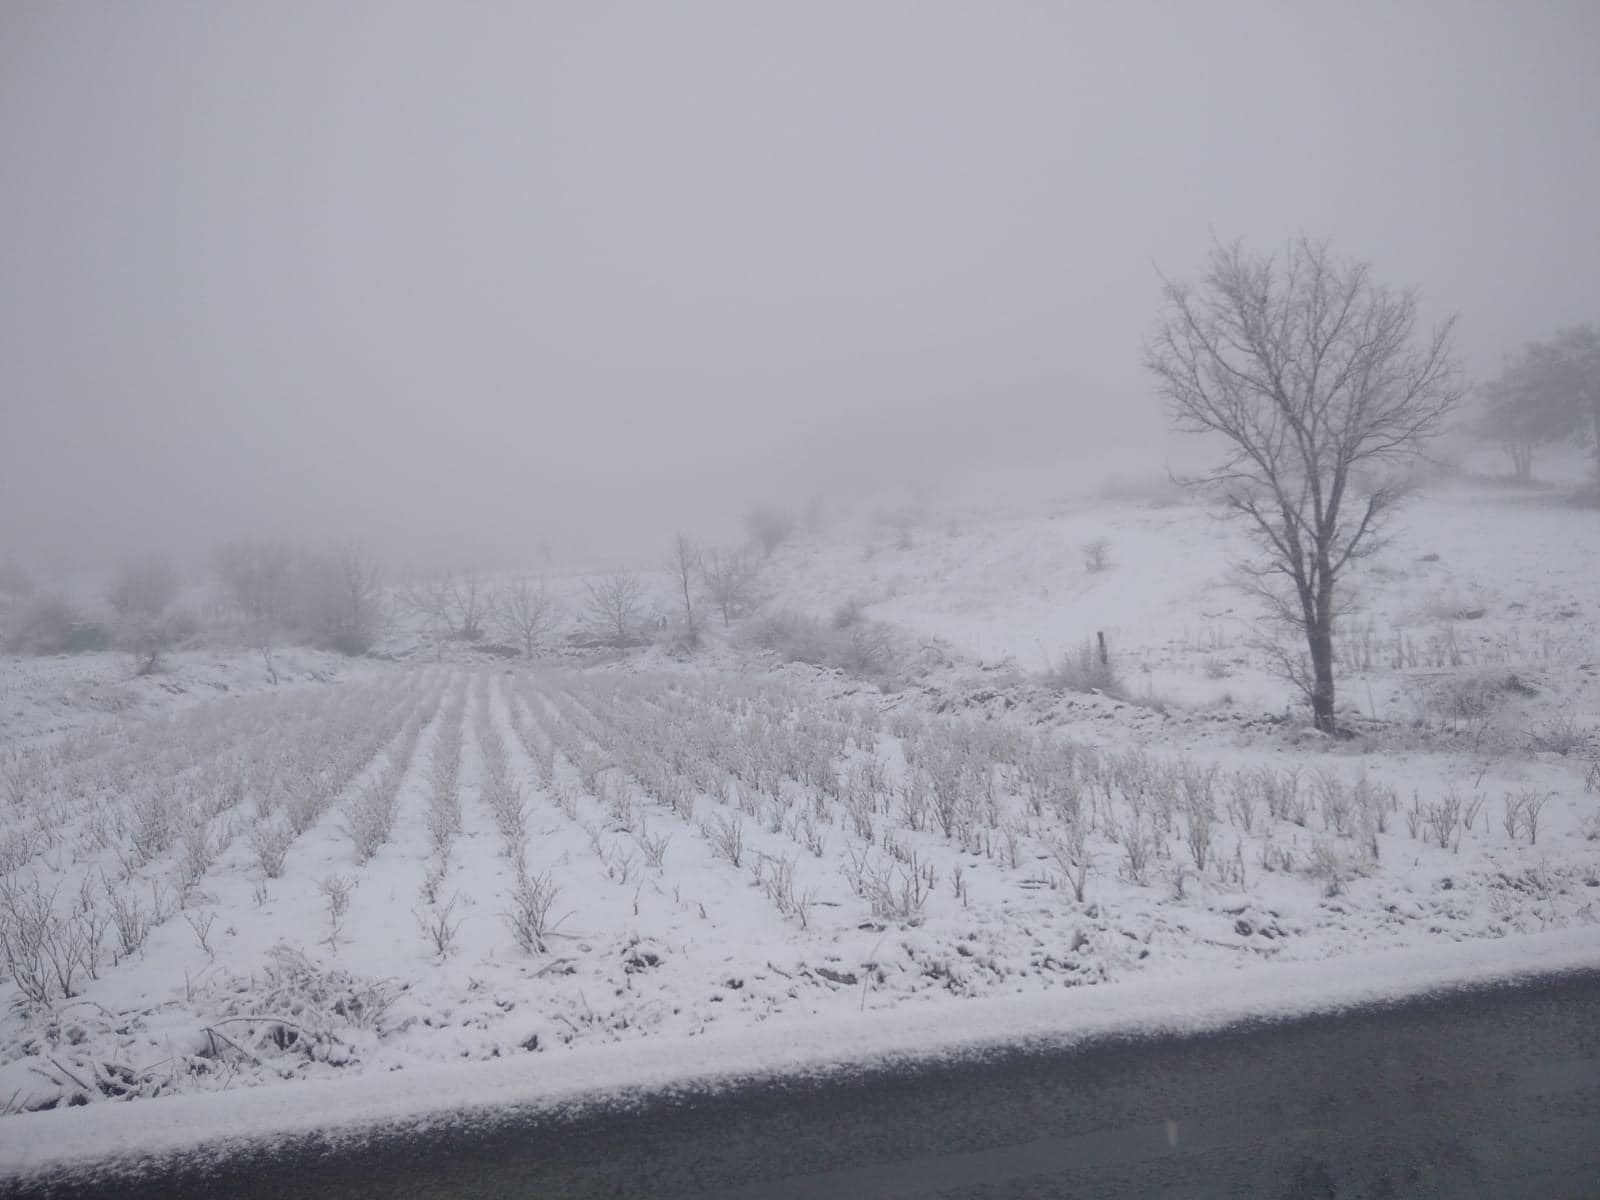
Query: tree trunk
[688,611]
[1522,462]
[1319,638]
[1595,408]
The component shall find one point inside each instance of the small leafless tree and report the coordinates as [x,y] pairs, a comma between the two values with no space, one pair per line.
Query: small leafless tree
[729,577]
[1320,386]
[454,604]
[614,601]
[257,578]
[469,602]
[684,563]
[526,611]
[142,593]
[341,598]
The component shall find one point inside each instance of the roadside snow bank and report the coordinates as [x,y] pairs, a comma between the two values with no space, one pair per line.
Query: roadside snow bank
[47,1143]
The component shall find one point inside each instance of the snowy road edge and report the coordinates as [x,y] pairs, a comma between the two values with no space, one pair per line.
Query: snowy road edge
[216,1124]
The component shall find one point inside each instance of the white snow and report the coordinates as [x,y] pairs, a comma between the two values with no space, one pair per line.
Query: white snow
[45,1142]
[905,873]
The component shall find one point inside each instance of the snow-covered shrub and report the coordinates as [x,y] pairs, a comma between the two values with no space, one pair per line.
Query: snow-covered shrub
[48,953]
[133,921]
[863,648]
[1084,670]
[898,890]
[369,817]
[297,1008]
[270,840]
[439,924]
[726,836]
[531,917]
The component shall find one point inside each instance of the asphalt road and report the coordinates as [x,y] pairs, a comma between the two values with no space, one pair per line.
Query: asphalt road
[1492,1093]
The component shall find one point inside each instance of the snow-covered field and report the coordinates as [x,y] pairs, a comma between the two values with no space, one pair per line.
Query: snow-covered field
[210,882]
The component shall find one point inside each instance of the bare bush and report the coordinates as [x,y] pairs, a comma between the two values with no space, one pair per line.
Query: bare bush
[439,926]
[899,890]
[47,953]
[1532,805]
[1071,852]
[532,901]
[1138,846]
[369,817]
[863,648]
[726,835]
[1085,670]
[654,846]
[200,923]
[336,891]
[1329,865]
[270,840]
[133,921]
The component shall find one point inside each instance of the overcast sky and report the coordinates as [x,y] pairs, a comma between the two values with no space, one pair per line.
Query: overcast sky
[465,277]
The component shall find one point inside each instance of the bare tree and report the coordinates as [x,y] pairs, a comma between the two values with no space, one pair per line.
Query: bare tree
[730,581]
[1567,368]
[340,598]
[428,596]
[142,593]
[454,604]
[614,602]
[362,611]
[1532,402]
[257,578]
[526,611]
[469,600]
[1320,386]
[769,526]
[684,562]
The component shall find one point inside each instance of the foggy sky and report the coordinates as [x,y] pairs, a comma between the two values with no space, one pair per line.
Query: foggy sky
[467,278]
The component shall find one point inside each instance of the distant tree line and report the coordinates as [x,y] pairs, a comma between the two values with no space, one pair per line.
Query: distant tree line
[270,592]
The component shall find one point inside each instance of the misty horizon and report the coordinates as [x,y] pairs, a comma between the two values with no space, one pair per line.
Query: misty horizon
[468,283]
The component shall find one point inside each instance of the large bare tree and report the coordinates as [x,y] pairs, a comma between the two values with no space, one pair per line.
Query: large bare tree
[1319,385]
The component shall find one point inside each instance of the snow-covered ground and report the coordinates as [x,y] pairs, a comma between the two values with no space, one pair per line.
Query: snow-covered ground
[372,867]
